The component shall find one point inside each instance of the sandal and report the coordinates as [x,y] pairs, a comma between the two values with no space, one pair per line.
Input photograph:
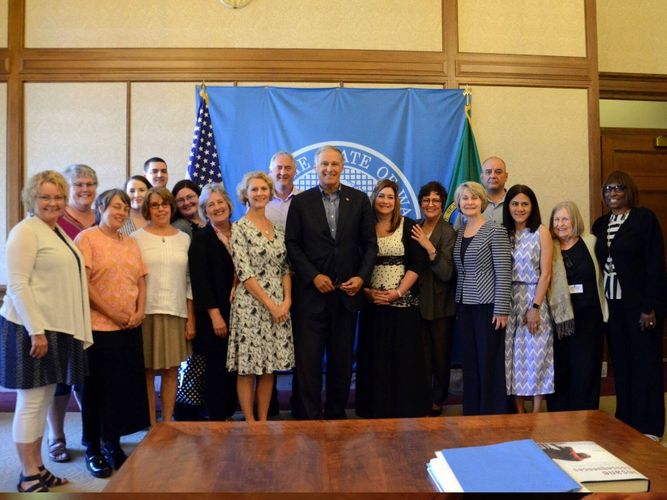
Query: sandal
[58,450]
[38,487]
[49,479]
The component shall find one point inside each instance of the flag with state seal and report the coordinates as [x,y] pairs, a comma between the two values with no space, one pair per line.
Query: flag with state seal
[409,135]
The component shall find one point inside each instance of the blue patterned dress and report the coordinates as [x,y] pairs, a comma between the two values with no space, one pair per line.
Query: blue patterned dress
[529,359]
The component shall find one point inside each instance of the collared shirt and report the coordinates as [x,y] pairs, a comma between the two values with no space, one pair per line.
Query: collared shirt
[276,209]
[494,211]
[331,202]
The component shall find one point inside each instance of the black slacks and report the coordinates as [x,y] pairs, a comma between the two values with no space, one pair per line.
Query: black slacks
[331,330]
[483,361]
[637,360]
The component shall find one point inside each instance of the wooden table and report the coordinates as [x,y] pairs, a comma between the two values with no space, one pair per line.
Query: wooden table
[352,455]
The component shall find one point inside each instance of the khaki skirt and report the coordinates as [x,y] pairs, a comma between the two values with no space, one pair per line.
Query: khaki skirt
[164,341]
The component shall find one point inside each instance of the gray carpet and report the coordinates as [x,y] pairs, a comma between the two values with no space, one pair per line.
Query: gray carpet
[75,470]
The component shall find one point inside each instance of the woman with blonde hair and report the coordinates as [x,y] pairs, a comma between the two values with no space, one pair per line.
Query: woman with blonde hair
[260,339]
[44,320]
[483,260]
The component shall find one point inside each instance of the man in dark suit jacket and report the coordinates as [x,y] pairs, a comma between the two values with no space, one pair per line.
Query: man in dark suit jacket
[331,246]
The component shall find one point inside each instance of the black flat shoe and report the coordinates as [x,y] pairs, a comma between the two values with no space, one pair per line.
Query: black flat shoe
[436,412]
[98,466]
[115,456]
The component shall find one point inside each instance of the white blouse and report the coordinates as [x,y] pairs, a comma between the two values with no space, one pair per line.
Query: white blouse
[168,278]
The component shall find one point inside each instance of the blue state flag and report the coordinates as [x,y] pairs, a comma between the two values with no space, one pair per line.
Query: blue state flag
[411,136]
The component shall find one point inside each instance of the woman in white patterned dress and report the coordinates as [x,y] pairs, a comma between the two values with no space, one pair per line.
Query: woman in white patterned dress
[393,378]
[529,364]
[260,340]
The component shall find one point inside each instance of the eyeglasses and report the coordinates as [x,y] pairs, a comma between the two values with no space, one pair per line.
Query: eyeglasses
[190,197]
[84,184]
[47,199]
[614,188]
[155,205]
[431,201]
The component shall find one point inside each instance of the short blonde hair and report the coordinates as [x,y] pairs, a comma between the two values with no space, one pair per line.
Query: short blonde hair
[578,226]
[242,188]
[29,193]
[475,188]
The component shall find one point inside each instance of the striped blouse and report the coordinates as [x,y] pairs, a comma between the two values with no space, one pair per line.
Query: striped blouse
[484,273]
[612,286]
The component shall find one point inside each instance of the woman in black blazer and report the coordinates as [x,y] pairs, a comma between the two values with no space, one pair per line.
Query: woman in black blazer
[631,252]
[483,261]
[212,278]
[436,288]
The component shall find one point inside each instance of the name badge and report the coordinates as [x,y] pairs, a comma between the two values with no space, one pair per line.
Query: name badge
[576,289]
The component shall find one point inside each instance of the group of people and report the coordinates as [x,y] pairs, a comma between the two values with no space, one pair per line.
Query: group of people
[106,292]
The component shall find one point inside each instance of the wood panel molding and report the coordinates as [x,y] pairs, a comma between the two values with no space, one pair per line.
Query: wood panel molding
[635,86]
[232,64]
[509,69]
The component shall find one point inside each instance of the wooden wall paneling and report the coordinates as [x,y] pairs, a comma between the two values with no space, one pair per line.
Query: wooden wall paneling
[595,169]
[15,119]
[639,87]
[450,39]
[233,64]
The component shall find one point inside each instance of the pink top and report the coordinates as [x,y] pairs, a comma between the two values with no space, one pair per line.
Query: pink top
[114,267]
[70,225]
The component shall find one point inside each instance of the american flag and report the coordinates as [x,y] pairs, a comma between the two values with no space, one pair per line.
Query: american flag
[204,166]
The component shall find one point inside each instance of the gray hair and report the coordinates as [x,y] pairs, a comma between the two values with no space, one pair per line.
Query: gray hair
[77,171]
[280,153]
[206,192]
[328,147]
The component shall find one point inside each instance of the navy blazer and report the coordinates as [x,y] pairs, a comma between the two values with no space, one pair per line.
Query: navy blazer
[638,252]
[311,250]
[485,272]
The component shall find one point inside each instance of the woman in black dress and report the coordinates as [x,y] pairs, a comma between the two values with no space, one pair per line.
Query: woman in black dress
[578,351]
[212,278]
[392,369]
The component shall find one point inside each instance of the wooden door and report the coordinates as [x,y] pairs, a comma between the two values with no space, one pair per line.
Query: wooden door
[634,151]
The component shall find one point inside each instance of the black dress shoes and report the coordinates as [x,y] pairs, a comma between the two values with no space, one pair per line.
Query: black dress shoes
[114,455]
[98,466]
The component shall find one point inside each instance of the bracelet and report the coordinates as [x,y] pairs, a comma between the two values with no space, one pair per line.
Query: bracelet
[535,305]
[400,295]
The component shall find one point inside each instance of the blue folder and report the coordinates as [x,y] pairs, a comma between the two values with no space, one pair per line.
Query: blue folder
[513,466]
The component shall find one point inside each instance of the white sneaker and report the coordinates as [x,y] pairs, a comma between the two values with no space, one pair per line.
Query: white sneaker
[653,437]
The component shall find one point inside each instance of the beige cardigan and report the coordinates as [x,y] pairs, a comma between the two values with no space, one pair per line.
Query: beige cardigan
[46,289]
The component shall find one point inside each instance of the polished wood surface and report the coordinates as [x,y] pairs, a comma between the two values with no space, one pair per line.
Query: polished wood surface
[352,455]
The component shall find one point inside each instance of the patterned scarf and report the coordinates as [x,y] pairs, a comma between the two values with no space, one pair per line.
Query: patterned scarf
[558,296]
